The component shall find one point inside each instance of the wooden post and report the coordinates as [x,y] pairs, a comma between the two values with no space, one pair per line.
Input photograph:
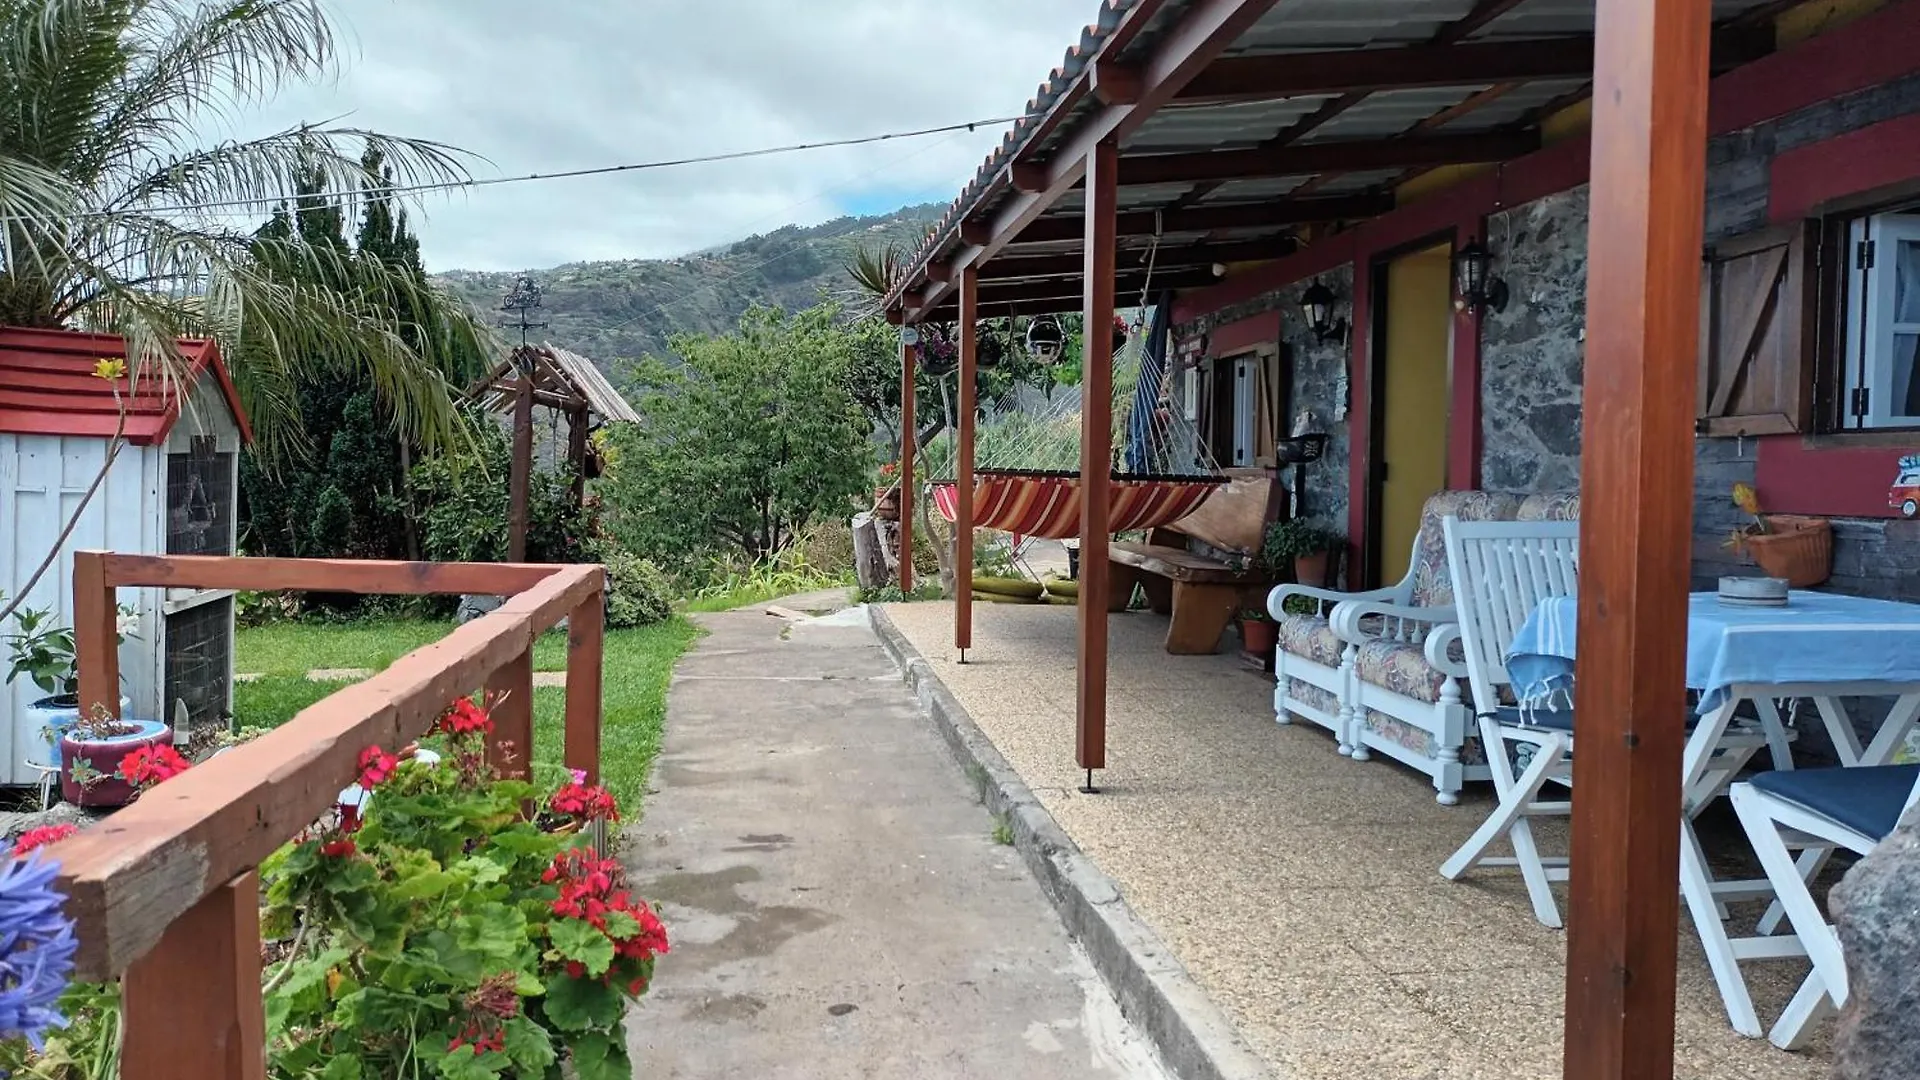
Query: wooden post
[521,472]
[577,453]
[510,749]
[908,437]
[1643,315]
[193,1008]
[1096,453]
[963,468]
[96,646]
[586,642]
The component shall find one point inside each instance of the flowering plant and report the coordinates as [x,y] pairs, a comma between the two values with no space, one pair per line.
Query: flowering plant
[453,930]
[149,765]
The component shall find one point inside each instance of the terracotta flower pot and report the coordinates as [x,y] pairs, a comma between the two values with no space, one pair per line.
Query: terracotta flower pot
[103,757]
[1258,636]
[1799,549]
[1311,570]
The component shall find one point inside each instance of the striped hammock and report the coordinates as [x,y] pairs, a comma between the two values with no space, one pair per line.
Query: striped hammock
[1047,505]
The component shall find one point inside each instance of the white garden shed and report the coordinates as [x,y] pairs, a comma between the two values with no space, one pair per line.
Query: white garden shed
[171,489]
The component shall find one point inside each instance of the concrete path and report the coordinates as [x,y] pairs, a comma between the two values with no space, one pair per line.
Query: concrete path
[836,899]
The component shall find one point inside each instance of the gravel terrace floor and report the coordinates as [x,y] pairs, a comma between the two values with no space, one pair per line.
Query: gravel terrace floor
[1301,889]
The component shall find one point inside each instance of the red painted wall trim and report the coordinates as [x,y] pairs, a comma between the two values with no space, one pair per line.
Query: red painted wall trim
[1803,178]
[1359,424]
[1867,52]
[1248,333]
[1794,476]
[1463,410]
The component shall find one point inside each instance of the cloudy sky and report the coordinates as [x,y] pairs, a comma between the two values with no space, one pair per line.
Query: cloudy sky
[547,85]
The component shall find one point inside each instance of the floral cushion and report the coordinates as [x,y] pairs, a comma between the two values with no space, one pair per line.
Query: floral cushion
[1550,506]
[1419,739]
[1400,667]
[1311,637]
[1313,696]
[1432,586]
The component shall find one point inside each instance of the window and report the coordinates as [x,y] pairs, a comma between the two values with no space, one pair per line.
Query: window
[1881,361]
[1244,402]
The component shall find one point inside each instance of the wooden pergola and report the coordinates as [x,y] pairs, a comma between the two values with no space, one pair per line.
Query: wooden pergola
[556,379]
[1060,216]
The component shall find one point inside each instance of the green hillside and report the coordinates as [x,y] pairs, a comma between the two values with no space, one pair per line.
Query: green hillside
[628,308]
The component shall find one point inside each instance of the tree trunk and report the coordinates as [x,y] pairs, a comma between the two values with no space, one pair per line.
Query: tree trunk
[870,567]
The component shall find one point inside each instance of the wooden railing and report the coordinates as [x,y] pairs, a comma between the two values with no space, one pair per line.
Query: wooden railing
[164,892]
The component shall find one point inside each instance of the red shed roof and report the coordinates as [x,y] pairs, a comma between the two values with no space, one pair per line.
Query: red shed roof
[47,386]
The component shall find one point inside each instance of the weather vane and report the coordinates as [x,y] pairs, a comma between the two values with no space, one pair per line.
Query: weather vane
[522,302]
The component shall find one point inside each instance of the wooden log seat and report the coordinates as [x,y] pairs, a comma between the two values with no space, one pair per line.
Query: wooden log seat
[1201,593]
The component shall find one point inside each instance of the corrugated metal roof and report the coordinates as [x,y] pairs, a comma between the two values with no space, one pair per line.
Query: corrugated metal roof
[1291,26]
[576,372]
[48,386]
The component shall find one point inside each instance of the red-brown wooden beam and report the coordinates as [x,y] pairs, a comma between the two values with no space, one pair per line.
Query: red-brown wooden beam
[1643,315]
[907,429]
[1183,49]
[1351,156]
[1166,258]
[1272,214]
[1125,282]
[963,467]
[1253,78]
[1096,457]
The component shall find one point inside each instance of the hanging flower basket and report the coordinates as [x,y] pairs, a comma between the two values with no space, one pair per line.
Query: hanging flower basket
[1799,549]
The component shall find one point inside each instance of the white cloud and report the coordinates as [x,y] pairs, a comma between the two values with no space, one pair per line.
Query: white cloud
[565,84]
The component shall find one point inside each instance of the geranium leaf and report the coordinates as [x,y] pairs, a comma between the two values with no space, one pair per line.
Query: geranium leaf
[621,926]
[581,1004]
[529,1045]
[598,1056]
[577,941]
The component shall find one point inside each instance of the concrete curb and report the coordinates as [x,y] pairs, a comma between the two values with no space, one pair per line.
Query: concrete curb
[1194,1038]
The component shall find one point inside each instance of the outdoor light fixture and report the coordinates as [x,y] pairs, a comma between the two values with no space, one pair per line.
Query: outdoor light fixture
[1045,339]
[1474,283]
[1317,305]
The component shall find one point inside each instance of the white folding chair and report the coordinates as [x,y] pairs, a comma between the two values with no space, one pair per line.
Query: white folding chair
[1818,809]
[1502,571]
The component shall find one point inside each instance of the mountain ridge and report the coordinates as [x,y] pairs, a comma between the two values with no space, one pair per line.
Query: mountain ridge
[616,311]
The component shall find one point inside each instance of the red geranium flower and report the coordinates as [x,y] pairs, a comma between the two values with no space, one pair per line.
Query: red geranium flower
[375,766]
[465,718]
[585,802]
[149,765]
[42,835]
[339,848]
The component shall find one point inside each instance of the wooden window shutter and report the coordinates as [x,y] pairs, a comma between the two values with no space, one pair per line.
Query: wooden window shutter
[1758,314]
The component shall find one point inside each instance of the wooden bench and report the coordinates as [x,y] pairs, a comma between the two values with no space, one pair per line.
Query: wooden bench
[1201,594]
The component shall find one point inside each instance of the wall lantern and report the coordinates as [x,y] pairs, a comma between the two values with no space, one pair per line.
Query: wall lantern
[1317,305]
[1475,286]
[1045,339]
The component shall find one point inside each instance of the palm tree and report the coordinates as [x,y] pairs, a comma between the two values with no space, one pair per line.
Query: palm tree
[118,217]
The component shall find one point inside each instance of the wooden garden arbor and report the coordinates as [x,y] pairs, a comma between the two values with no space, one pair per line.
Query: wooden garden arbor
[556,379]
[1078,186]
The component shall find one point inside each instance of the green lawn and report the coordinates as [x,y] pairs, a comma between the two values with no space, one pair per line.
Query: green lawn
[637,667]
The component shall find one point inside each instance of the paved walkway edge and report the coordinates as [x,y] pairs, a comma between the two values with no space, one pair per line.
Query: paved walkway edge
[1195,1040]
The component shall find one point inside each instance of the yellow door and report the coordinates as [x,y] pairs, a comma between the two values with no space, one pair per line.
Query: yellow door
[1413,436]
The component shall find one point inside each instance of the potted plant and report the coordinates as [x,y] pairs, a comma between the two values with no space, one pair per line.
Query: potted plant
[1259,634]
[886,494]
[1306,547]
[43,652]
[1790,546]
[105,761]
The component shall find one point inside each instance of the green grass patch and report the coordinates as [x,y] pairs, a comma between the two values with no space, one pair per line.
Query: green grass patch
[747,596]
[637,666]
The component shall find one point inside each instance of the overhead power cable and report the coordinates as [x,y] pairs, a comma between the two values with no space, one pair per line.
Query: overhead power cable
[602,170]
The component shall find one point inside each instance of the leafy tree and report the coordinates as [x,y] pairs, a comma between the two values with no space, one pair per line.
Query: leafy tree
[746,440]
[117,212]
[344,491]
[873,379]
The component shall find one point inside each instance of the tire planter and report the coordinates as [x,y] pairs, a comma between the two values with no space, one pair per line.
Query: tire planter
[42,724]
[105,755]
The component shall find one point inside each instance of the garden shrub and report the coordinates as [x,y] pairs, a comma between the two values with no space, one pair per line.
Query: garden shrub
[639,593]
[465,496]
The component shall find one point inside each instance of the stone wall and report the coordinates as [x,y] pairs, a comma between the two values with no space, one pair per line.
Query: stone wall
[1319,383]
[1532,353]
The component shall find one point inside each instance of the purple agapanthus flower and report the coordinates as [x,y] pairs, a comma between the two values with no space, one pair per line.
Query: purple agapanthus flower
[36,948]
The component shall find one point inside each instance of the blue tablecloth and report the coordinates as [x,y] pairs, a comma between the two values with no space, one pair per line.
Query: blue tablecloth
[1816,638]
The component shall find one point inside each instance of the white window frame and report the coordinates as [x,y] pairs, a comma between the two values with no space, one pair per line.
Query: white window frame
[1870,330]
